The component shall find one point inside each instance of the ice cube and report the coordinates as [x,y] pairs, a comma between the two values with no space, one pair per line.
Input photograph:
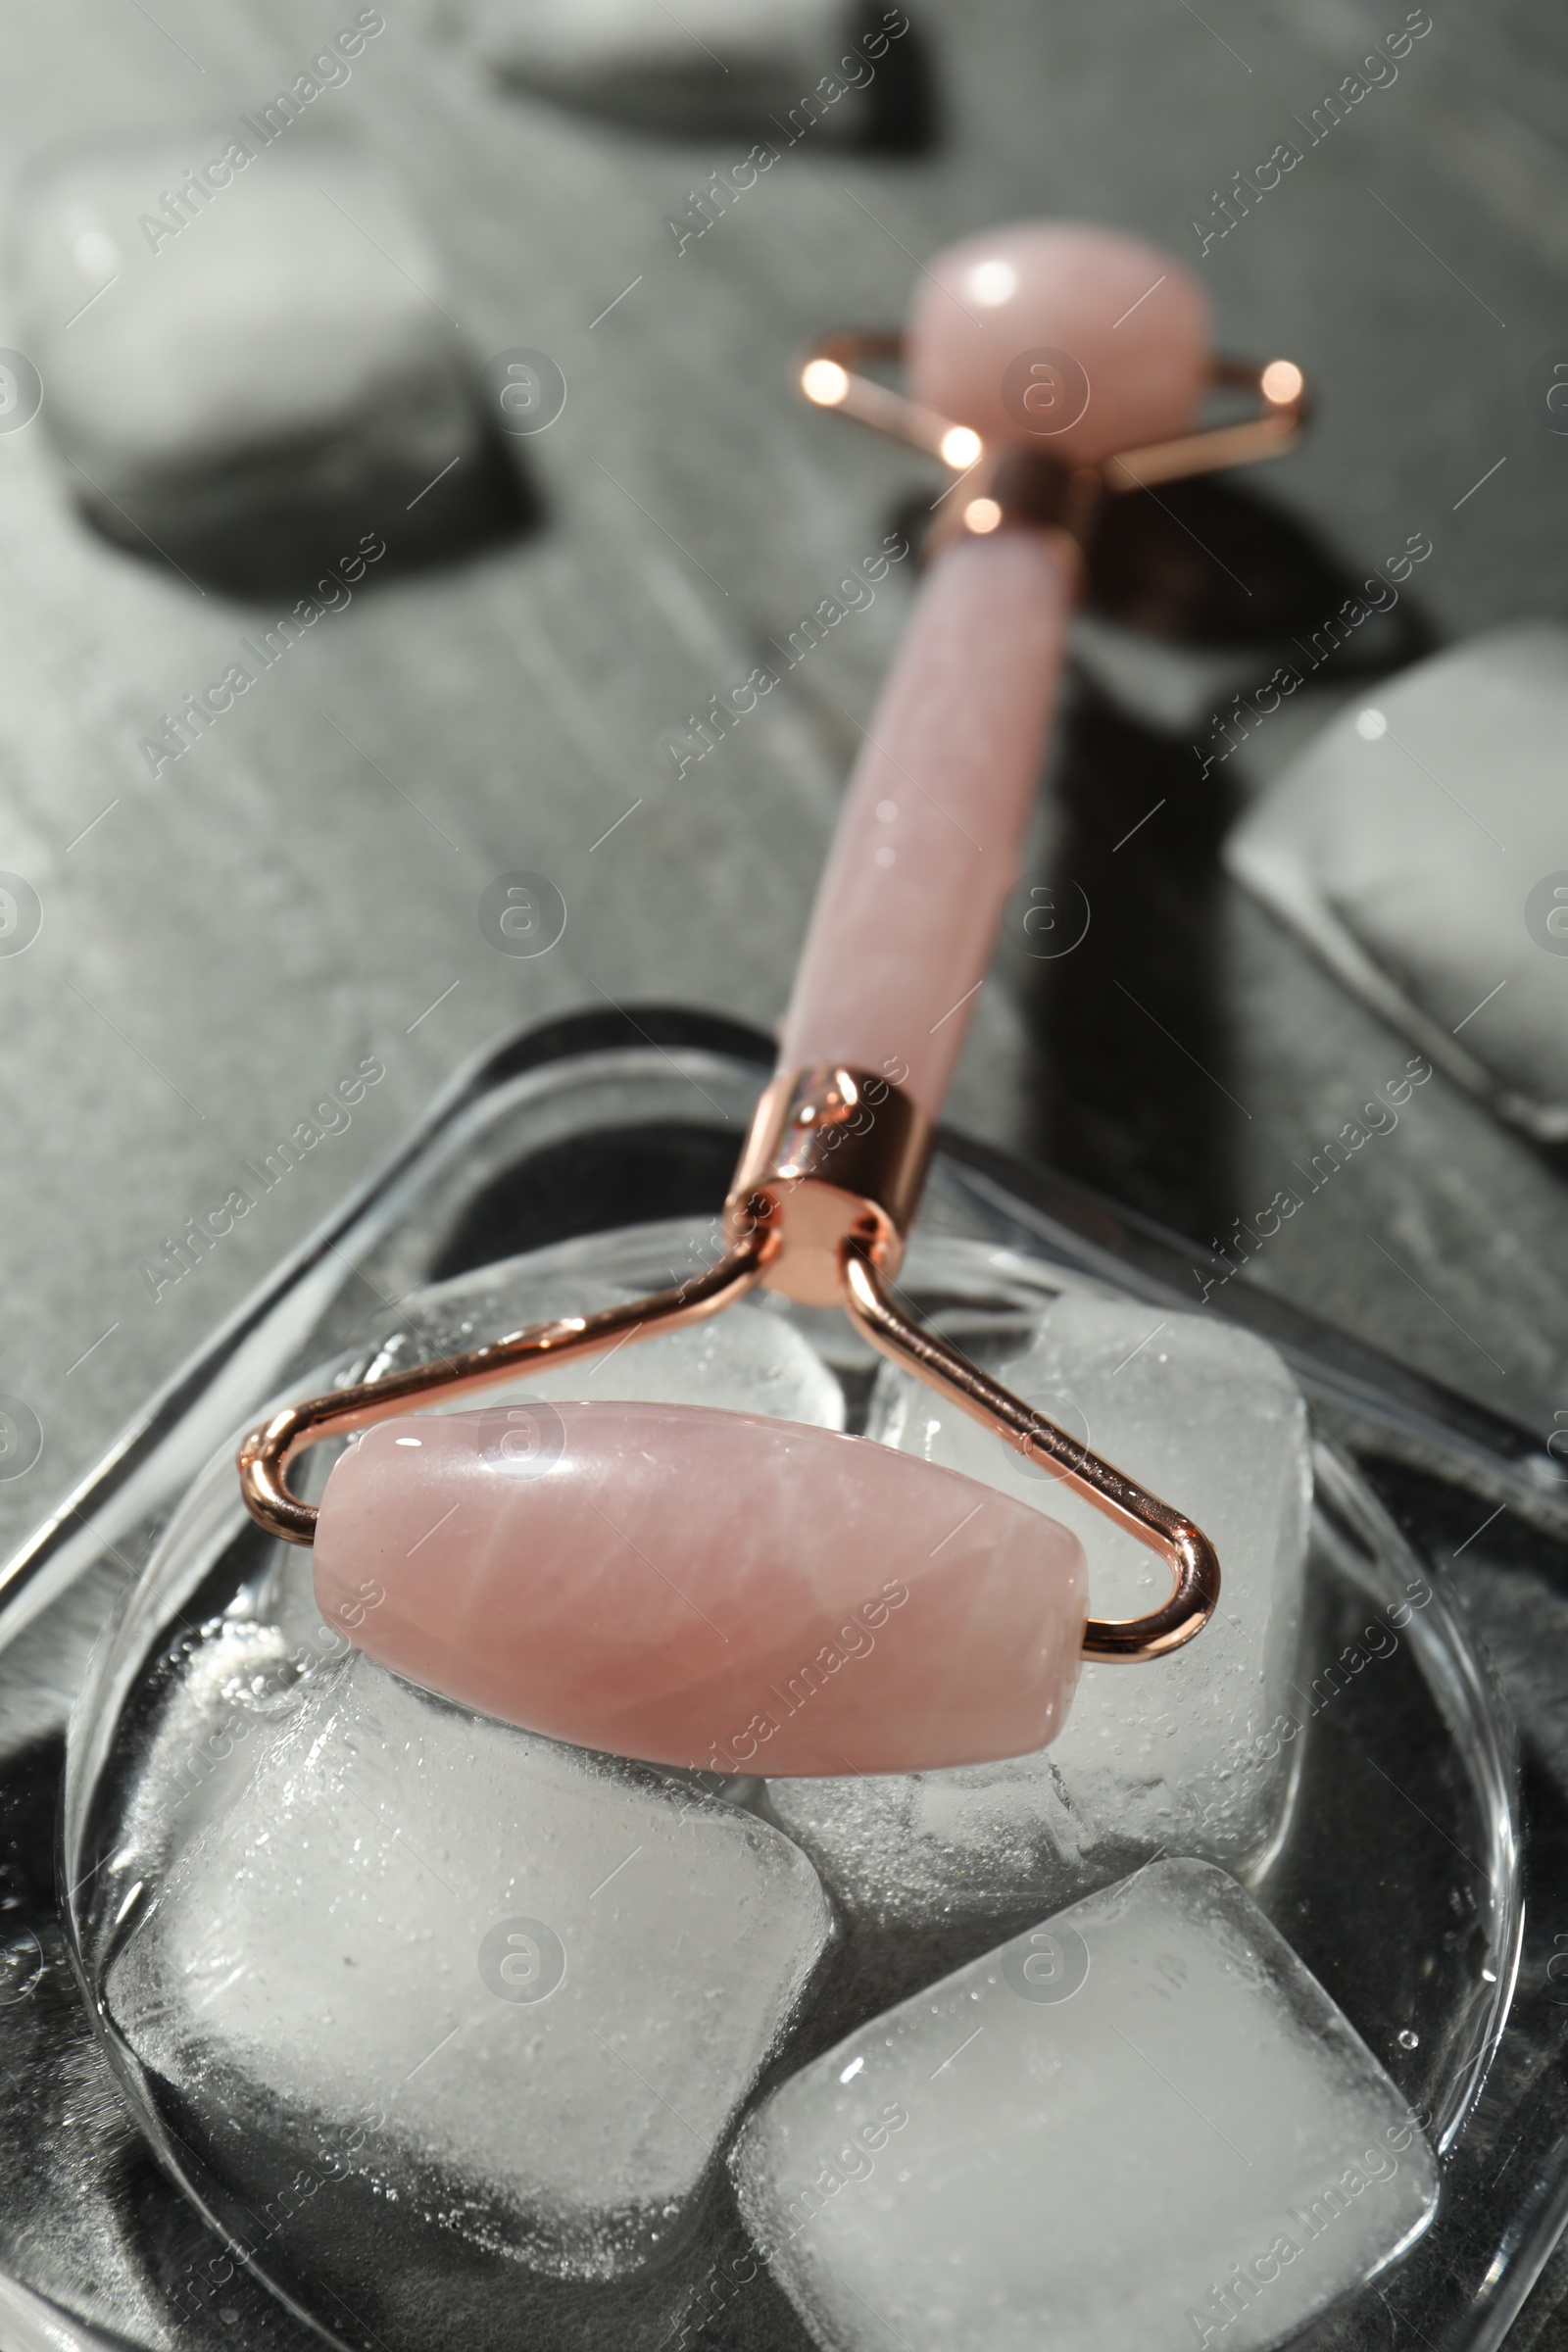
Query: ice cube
[1183,1755]
[1142,2125]
[501,1997]
[244,330]
[1417,844]
[749,1359]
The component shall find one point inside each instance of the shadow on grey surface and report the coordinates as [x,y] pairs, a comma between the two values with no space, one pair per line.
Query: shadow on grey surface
[906,113]
[1211,563]
[901,116]
[1130,1032]
[271,532]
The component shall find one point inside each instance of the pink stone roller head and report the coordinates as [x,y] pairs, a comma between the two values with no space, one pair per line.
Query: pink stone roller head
[707,1589]
[1051,332]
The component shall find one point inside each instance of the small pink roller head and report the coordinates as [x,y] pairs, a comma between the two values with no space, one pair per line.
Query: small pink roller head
[703,1589]
[1075,340]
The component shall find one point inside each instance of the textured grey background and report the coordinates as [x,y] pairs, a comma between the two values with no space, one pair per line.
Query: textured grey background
[230,937]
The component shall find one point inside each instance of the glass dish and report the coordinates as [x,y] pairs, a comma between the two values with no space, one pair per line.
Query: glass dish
[1410,1914]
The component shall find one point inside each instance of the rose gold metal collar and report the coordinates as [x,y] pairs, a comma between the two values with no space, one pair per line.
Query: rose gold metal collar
[266,1452]
[819,1211]
[831,378]
[1027,485]
[828,1180]
[834,1155]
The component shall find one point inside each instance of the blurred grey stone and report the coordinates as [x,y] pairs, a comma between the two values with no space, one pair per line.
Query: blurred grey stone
[741,67]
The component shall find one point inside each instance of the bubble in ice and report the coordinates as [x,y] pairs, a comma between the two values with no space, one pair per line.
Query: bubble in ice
[1180,1755]
[1196,2148]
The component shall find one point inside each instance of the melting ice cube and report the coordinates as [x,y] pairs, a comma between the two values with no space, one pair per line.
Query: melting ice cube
[1180,1755]
[1442,908]
[242,327]
[1142,2125]
[515,1990]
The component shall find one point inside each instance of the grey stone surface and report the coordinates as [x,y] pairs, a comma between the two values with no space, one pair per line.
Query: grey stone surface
[298,893]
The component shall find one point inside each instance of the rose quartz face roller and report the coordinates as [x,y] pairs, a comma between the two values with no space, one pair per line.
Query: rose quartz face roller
[657,1580]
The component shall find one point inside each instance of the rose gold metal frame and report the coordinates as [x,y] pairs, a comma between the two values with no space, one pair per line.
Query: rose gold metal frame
[819,1211]
[1185,1549]
[266,1452]
[1269,434]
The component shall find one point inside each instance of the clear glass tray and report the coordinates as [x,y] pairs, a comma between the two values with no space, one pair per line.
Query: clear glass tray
[1411,1914]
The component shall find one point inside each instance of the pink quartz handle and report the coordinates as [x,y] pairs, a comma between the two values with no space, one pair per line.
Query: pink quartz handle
[928,847]
[1077,342]
[703,1589]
